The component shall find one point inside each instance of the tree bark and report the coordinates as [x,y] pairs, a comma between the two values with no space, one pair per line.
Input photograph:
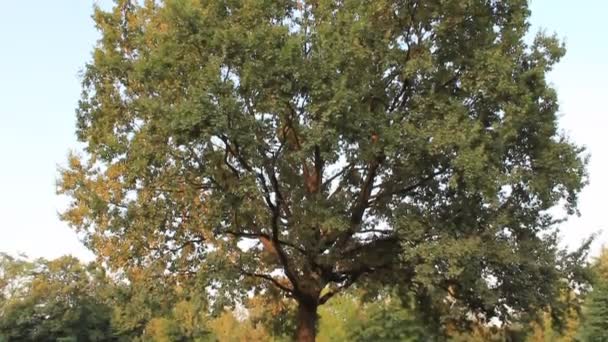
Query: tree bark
[307,321]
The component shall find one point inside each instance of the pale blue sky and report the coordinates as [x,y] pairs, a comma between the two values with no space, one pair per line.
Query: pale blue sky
[44,44]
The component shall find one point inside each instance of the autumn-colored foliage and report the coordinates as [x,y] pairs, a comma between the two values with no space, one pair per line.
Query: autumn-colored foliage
[296,149]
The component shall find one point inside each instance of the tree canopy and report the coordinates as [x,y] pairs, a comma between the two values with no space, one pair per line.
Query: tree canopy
[300,147]
[66,300]
[58,300]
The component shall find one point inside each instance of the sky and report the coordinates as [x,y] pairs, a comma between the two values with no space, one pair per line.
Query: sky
[44,45]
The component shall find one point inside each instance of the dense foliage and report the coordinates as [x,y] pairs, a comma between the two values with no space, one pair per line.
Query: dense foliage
[295,148]
[59,300]
[65,300]
[595,324]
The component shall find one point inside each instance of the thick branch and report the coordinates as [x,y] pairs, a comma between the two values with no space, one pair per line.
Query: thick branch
[365,193]
[319,164]
[270,279]
[227,163]
[186,243]
[265,236]
[409,188]
[373,244]
[281,253]
[340,173]
[348,283]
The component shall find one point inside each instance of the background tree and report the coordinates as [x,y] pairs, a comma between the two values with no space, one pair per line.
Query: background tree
[595,317]
[58,300]
[339,317]
[274,313]
[66,300]
[227,327]
[388,319]
[186,322]
[310,145]
[149,306]
[34,307]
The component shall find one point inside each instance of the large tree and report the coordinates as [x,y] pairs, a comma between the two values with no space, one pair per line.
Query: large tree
[303,146]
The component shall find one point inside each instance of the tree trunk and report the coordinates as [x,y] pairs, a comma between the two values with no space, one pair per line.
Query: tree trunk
[307,321]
